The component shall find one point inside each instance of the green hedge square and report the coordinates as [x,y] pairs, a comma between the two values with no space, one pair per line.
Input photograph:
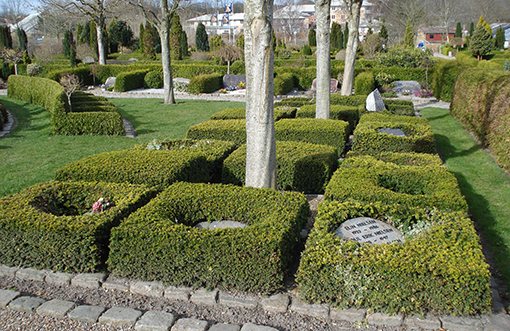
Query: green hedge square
[226,130]
[46,226]
[439,269]
[348,114]
[240,113]
[160,242]
[367,138]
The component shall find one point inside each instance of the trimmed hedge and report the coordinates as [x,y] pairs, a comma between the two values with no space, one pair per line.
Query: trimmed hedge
[179,160]
[83,74]
[40,91]
[131,80]
[439,269]
[160,242]
[409,159]
[369,180]
[315,131]
[283,83]
[364,83]
[227,130]
[46,226]
[205,83]
[300,166]
[349,100]
[294,102]
[367,139]
[240,113]
[348,114]
[400,107]
[444,78]
[153,79]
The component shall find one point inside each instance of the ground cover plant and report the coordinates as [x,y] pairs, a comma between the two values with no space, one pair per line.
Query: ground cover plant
[31,154]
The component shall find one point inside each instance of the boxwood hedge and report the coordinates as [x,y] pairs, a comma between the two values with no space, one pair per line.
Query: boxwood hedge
[439,269]
[240,113]
[227,130]
[400,107]
[300,166]
[294,102]
[130,80]
[367,138]
[369,180]
[410,159]
[348,114]
[205,83]
[46,226]
[160,242]
[159,164]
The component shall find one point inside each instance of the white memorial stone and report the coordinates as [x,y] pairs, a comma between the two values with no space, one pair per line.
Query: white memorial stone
[369,230]
[375,101]
[220,225]
[110,81]
[88,59]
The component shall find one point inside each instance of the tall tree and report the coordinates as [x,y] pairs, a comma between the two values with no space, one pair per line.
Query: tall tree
[260,132]
[140,38]
[458,31]
[149,51]
[312,41]
[161,21]
[471,29]
[481,43]
[323,38]
[184,44]
[5,37]
[67,43]
[409,35]
[383,33]
[175,38]
[353,10]
[500,38]
[22,38]
[201,39]
[119,33]
[336,29]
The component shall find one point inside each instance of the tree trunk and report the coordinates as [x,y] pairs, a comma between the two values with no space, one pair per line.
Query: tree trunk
[353,8]
[260,132]
[323,36]
[100,41]
[164,33]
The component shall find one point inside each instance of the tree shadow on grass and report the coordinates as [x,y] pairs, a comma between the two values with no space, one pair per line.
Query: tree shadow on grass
[447,151]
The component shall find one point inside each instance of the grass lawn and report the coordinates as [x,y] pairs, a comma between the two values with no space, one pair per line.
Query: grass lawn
[31,154]
[484,184]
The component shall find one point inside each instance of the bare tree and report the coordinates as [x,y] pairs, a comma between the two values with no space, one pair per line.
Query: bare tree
[398,12]
[12,56]
[260,132]
[70,83]
[160,18]
[446,10]
[352,9]
[323,36]
[228,53]
[13,10]
[97,10]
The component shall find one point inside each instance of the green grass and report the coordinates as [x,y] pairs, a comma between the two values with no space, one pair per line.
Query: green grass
[31,155]
[484,184]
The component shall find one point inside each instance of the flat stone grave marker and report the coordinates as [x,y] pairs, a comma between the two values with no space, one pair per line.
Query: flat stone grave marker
[395,132]
[332,89]
[369,230]
[220,225]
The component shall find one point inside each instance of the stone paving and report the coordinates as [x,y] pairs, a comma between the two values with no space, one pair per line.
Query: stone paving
[158,320]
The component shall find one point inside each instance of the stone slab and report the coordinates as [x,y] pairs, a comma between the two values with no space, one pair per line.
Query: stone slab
[498,322]
[422,323]
[394,132]
[225,327]
[120,316]
[26,304]
[454,323]
[369,230]
[150,289]
[8,271]
[276,303]
[349,315]
[55,308]
[117,284]
[59,278]
[254,327]
[155,320]
[178,293]
[204,297]
[31,274]
[381,319]
[88,280]
[189,324]
[229,300]
[86,313]
[6,296]
[375,101]
[315,310]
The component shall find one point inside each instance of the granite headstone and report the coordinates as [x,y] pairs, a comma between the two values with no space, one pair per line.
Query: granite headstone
[233,80]
[395,132]
[220,225]
[406,85]
[369,230]
[110,81]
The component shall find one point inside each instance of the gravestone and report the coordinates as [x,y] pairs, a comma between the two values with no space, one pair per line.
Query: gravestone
[110,81]
[333,88]
[375,101]
[88,59]
[369,230]
[233,80]
[406,85]
[220,225]
[182,80]
[395,132]
[133,59]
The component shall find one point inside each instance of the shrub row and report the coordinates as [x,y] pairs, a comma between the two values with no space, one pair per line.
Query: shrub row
[40,91]
[157,164]
[253,258]
[444,78]
[367,138]
[227,130]
[283,83]
[409,159]
[480,103]
[130,80]
[240,113]
[83,74]
[400,107]
[46,226]
[348,114]
[300,166]
[364,83]
[205,83]
[439,269]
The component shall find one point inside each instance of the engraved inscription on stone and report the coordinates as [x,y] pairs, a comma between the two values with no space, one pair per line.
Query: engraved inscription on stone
[369,230]
[220,225]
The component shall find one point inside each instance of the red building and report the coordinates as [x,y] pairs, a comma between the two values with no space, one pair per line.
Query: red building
[435,34]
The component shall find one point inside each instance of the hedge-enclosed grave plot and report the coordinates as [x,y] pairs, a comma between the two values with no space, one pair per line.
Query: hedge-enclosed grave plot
[410,159]
[52,225]
[240,113]
[161,241]
[300,166]
[380,132]
[348,114]
[226,130]
[367,180]
[439,268]
[158,163]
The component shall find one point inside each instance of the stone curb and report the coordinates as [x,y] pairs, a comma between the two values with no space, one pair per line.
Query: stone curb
[281,303]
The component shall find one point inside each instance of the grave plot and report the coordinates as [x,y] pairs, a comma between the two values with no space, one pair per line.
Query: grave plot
[394,260]
[162,241]
[64,226]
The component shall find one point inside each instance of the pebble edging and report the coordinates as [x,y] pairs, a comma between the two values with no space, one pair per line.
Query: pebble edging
[158,320]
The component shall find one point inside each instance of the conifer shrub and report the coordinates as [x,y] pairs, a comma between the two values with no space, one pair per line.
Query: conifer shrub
[153,79]
[253,258]
[364,83]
